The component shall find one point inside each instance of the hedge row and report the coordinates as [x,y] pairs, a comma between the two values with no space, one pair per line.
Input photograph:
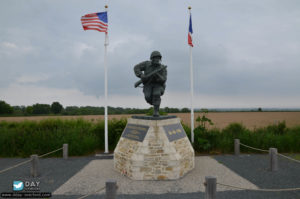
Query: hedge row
[21,139]
[286,140]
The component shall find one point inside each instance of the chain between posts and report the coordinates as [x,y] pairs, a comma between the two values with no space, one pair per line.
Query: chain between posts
[268,151]
[50,152]
[254,148]
[19,164]
[267,190]
[288,157]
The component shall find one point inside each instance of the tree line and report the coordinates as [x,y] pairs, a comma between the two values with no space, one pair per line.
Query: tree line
[57,109]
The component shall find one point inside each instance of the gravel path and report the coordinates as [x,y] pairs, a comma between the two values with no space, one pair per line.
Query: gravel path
[93,176]
[251,171]
[255,168]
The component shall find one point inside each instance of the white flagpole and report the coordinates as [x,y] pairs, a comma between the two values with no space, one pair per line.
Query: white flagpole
[192,90]
[105,89]
[192,96]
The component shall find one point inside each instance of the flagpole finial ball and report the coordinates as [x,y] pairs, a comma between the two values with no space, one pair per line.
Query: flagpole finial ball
[106,6]
[190,7]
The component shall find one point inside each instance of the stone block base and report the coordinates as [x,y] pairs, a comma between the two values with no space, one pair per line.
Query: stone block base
[154,150]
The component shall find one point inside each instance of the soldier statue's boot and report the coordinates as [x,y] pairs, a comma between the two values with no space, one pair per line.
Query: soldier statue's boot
[156,111]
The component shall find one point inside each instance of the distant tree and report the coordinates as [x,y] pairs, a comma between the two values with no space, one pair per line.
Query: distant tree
[41,109]
[5,108]
[71,110]
[119,110]
[56,108]
[19,110]
[174,110]
[28,110]
[185,110]
[91,110]
[167,109]
[150,112]
[259,109]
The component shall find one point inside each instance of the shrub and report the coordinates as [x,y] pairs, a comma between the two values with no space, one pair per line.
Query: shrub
[278,129]
[84,137]
[234,129]
[31,137]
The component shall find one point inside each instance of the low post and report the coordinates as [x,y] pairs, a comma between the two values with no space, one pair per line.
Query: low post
[111,189]
[65,151]
[237,146]
[210,187]
[34,170]
[273,159]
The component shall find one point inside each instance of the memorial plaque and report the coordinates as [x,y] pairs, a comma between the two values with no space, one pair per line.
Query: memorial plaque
[174,132]
[135,132]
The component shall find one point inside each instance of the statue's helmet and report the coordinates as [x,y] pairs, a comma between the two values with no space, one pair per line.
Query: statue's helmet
[155,54]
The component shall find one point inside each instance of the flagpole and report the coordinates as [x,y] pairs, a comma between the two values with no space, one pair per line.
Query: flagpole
[192,90]
[105,89]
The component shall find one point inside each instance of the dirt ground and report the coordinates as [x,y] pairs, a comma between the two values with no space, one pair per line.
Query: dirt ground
[220,119]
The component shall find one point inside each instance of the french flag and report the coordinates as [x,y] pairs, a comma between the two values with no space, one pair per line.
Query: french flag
[190,40]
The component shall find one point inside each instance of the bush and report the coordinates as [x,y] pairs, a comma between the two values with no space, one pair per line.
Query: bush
[278,129]
[234,129]
[21,139]
[222,141]
[31,137]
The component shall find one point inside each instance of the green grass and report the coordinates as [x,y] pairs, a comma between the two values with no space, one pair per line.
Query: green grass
[22,139]
[286,140]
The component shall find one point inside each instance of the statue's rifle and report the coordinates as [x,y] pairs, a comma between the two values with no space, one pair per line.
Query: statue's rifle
[149,75]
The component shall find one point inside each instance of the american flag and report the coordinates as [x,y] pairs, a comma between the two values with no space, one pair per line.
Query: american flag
[190,41]
[95,21]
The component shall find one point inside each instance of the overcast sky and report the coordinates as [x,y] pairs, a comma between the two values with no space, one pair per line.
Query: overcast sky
[246,53]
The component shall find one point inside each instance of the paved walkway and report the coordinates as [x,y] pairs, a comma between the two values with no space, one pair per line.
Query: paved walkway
[75,177]
[93,176]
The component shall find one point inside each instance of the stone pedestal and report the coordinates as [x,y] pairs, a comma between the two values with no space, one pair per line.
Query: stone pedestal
[154,149]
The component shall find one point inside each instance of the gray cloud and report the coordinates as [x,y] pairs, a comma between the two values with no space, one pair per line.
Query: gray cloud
[241,48]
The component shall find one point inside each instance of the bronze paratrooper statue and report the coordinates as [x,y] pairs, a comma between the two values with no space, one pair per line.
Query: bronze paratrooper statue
[129,158]
[153,76]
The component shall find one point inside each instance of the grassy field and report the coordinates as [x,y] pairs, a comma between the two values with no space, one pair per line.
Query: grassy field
[250,120]
[21,137]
